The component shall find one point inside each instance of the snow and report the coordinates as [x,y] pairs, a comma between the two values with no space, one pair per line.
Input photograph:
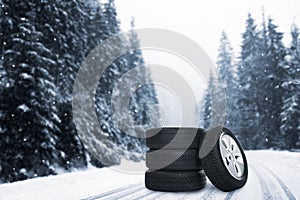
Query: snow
[74,185]
[272,175]
[26,76]
[23,107]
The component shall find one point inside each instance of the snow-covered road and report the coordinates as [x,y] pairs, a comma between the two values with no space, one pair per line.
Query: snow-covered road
[272,175]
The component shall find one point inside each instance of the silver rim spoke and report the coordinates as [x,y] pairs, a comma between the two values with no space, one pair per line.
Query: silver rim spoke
[224,152]
[231,156]
[231,167]
[237,168]
[225,144]
[224,149]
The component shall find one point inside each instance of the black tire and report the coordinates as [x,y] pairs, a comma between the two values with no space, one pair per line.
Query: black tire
[158,138]
[166,160]
[175,181]
[214,166]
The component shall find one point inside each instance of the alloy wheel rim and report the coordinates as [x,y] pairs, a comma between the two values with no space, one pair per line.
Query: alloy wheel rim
[232,156]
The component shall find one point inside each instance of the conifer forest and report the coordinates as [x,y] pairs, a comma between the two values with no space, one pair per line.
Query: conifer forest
[42,45]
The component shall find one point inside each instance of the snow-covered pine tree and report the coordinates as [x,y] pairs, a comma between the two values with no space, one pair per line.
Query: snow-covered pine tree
[290,115]
[138,108]
[248,74]
[271,91]
[145,95]
[225,64]
[57,35]
[106,85]
[64,33]
[29,114]
[3,30]
[110,18]
[62,39]
[107,25]
[206,103]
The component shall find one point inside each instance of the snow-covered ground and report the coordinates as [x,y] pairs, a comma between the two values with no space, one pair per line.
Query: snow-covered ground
[272,175]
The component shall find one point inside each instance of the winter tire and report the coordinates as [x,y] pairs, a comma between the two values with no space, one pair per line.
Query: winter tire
[158,138]
[175,181]
[225,165]
[166,160]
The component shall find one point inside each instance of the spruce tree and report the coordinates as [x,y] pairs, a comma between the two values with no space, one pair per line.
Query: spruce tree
[42,46]
[68,42]
[140,100]
[290,115]
[271,90]
[145,94]
[206,104]
[55,35]
[29,114]
[225,64]
[246,97]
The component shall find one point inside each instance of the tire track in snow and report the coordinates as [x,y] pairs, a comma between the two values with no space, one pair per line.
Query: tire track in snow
[145,194]
[264,186]
[187,195]
[285,188]
[271,184]
[209,193]
[124,194]
[229,195]
[129,191]
[109,193]
[204,195]
[201,194]
[153,195]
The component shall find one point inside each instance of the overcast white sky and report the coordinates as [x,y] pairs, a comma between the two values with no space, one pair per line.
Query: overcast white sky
[203,22]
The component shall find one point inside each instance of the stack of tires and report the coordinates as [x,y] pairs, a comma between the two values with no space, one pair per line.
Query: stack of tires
[180,158]
[173,160]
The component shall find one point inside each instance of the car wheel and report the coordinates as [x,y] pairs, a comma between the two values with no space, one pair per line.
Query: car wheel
[225,164]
